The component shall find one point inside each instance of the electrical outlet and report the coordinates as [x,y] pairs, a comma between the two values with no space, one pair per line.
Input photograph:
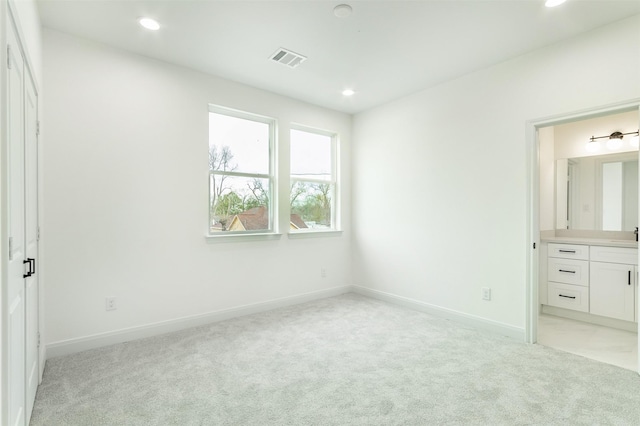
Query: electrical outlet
[486,293]
[110,304]
[323,272]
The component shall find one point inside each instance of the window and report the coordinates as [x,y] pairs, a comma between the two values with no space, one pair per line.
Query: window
[240,172]
[313,180]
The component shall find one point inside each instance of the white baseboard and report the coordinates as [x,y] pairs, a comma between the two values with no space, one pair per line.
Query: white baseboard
[510,331]
[590,318]
[66,347]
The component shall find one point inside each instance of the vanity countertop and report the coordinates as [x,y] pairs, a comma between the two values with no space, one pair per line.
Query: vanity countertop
[591,241]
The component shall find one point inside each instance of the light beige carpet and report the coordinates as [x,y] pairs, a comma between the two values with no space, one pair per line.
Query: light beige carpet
[347,360]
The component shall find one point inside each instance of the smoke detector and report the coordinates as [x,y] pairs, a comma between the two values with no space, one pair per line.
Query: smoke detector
[342,10]
[288,58]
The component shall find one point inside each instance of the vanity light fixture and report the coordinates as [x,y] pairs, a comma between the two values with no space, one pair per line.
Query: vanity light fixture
[614,141]
[593,146]
[348,92]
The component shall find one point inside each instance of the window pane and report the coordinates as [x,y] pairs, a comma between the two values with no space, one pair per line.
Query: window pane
[311,202]
[238,144]
[310,155]
[238,203]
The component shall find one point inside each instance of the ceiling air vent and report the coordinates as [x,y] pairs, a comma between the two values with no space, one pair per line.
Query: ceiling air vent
[288,58]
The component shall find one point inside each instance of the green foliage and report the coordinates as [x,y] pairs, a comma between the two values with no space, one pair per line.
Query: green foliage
[228,205]
[312,201]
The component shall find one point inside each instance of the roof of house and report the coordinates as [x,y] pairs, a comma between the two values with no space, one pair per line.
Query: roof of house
[258,218]
[253,219]
[297,221]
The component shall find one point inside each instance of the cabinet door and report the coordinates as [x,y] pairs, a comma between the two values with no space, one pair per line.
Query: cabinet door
[611,290]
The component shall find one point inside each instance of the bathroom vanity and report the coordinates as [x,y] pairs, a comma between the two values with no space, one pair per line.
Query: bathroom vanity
[594,280]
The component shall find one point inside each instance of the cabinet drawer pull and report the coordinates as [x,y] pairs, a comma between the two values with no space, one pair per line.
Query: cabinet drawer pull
[629,278]
[567,271]
[568,297]
[567,251]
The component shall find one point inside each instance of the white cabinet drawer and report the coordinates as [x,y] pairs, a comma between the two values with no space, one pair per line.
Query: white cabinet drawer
[568,271]
[568,296]
[628,256]
[569,251]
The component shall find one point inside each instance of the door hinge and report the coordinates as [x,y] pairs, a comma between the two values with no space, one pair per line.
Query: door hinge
[38,339]
[10,248]
[38,233]
[38,128]
[534,246]
[8,56]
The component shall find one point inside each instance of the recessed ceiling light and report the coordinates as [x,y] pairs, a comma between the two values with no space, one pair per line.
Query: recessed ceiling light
[342,10]
[554,3]
[348,92]
[150,24]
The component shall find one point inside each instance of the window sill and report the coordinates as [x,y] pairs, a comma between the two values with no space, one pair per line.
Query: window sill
[241,237]
[314,234]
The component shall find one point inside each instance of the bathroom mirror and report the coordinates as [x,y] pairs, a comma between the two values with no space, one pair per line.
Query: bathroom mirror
[597,192]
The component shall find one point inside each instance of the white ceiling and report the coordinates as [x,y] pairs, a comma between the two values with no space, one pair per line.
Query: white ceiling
[384,50]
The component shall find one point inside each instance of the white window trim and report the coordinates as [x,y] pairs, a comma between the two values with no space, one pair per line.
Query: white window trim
[228,237]
[321,233]
[336,229]
[263,234]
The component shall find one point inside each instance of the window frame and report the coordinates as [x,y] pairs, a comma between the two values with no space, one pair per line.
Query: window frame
[272,123]
[334,181]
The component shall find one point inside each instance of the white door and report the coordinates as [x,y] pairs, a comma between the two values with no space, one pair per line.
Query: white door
[15,303]
[31,243]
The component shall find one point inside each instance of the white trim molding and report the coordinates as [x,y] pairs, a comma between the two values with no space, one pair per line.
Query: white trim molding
[516,333]
[70,346]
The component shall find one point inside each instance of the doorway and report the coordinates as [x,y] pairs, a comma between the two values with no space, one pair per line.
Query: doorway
[559,207]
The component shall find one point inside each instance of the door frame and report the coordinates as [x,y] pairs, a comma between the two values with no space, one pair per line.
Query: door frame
[533,201]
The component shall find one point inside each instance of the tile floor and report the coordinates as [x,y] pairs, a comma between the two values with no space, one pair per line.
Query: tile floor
[603,344]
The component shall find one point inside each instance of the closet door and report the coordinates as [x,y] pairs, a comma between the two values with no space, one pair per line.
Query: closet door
[17,265]
[31,242]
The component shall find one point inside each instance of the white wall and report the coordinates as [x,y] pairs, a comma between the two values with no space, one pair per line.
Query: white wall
[440,177]
[126,195]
